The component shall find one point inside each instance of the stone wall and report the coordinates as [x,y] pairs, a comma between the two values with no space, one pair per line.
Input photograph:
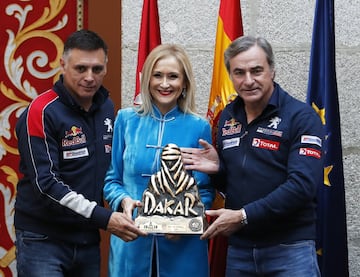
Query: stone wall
[287,24]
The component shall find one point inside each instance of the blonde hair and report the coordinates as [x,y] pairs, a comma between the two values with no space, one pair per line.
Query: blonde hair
[185,102]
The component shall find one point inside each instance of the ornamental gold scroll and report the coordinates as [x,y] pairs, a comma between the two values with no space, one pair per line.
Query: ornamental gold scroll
[171,203]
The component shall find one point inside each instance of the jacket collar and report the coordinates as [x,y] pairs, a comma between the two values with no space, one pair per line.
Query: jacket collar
[170,115]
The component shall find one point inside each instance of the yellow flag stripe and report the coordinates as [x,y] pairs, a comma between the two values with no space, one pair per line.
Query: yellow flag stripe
[222,88]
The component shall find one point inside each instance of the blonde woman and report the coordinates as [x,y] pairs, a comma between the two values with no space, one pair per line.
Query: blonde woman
[167,115]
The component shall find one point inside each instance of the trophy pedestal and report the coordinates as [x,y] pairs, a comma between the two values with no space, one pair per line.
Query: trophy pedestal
[171,225]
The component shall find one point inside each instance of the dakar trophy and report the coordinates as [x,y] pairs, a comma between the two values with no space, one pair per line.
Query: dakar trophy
[171,202]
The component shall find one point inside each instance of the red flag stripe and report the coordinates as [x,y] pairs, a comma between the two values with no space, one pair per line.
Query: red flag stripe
[229,27]
[149,38]
[230,14]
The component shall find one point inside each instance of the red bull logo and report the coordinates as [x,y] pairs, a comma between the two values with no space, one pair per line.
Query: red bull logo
[231,123]
[231,127]
[74,132]
[73,137]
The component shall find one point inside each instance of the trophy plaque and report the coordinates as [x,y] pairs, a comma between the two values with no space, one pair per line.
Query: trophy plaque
[171,202]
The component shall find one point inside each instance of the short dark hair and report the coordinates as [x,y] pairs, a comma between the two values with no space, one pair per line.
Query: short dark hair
[85,40]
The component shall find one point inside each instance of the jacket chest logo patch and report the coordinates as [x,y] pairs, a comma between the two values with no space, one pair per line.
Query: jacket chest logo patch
[109,125]
[266,144]
[311,140]
[269,132]
[74,136]
[310,152]
[230,143]
[74,154]
[231,127]
[107,148]
[274,122]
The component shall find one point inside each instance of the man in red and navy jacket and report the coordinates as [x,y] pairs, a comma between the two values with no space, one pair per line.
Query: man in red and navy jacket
[64,140]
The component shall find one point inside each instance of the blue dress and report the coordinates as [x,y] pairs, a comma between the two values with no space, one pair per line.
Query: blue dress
[136,150]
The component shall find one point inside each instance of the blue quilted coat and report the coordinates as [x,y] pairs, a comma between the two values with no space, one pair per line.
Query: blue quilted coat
[137,144]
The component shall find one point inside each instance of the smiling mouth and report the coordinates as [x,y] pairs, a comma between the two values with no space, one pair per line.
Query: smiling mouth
[88,88]
[250,91]
[165,93]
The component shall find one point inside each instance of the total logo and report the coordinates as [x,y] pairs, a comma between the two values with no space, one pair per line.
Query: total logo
[310,152]
[266,144]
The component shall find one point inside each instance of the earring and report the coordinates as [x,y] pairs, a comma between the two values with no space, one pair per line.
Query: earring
[183,93]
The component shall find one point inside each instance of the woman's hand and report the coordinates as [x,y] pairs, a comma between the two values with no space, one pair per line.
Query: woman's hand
[128,205]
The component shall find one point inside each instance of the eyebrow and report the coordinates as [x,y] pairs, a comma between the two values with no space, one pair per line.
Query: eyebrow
[88,66]
[251,68]
[172,72]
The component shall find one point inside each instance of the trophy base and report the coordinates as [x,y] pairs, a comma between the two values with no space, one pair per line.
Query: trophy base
[171,225]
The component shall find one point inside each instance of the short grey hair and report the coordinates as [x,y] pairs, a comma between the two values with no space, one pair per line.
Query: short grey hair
[244,43]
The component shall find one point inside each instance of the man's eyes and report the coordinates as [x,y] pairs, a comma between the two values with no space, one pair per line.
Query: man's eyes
[255,71]
[95,69]
[239,73]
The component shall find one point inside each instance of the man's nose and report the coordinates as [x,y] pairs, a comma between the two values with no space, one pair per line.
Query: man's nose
[248,78]
[89,75]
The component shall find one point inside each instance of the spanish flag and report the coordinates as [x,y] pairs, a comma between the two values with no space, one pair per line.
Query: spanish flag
[322,95]
[149,38]
[229,27]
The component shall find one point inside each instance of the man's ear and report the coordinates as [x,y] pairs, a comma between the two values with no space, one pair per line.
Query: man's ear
[62,63]
[273,75]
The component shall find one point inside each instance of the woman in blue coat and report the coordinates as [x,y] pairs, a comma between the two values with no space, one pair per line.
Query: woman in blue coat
[166,115]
